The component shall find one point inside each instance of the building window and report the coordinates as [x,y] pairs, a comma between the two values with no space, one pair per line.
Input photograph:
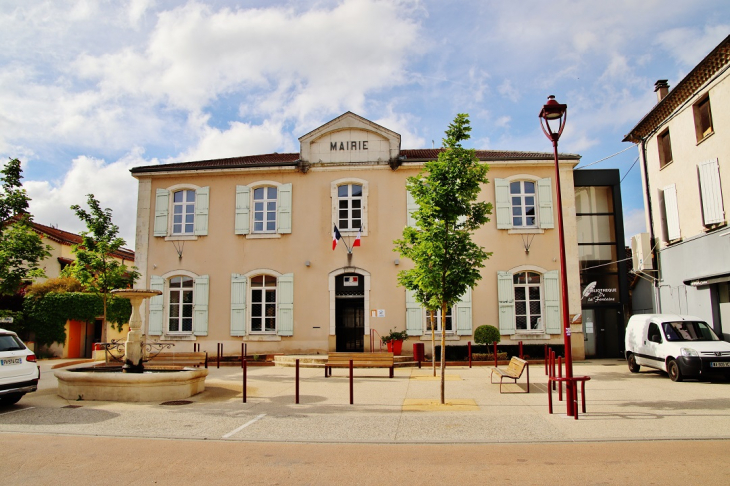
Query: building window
[263,303]
[665,148]
[528,301]
[522,194]
[430,315]
[703,118]
[349,212]
[181,305]
[183,212]
[264,210]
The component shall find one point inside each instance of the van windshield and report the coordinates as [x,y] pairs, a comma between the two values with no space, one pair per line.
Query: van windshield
[688,331]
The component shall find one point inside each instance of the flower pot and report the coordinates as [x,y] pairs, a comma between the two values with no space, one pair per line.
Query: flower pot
[396,348]
[389,344]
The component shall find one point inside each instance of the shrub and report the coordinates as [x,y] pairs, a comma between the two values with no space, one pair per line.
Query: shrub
[486,335]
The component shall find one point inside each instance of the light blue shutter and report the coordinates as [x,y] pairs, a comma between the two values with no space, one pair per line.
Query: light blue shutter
[671,210]
[285,308]
[411,207]
[200,306]
[711,190]
[154,326]
[283,210]
[202,197]
[545,200]
[162,201]
[502,201]
[414,315]
[238,304]
[506,296]
[552,302]
[463,317]
[243,203]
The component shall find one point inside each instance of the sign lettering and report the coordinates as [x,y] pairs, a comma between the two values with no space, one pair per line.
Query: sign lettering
[349,145]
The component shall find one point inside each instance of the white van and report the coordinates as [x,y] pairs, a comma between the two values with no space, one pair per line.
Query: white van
[683,346]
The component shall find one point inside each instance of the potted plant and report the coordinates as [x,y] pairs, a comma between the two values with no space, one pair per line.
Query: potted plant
[394,341]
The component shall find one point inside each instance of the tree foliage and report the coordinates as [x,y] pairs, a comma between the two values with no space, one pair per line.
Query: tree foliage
[487,335]
[446,262]
[46,313]
[21,248]
[95,266]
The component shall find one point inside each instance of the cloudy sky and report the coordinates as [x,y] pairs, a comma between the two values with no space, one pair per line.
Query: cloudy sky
[89,89]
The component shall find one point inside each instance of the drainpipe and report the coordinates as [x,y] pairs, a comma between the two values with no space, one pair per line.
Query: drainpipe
[652,238]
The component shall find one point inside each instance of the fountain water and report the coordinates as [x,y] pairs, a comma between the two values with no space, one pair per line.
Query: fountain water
[131,383]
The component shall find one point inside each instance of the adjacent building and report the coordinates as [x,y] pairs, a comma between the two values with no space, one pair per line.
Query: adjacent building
[685,163]
[242,248]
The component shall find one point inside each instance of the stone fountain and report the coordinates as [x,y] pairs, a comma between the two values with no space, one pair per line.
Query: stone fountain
[131,382]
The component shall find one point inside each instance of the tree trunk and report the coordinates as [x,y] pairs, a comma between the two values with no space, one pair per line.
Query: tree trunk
[443,353]
[104,334]
[433,343]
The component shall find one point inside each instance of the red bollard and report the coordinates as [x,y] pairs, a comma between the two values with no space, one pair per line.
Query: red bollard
[219,351]
[244,379]
[560,375]
[297,380]
[521,354]
[469,346]
[495,354]
[545,354]
[351,389]
[243,356]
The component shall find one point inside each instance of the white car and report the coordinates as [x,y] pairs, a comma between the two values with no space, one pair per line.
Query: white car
[683,346]
[19,372]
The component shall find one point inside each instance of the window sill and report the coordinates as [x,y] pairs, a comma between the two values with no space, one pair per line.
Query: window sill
[529,336]
[262,236]
[177,337]
[662,167]
[525,231]
[181,238]
[705,137]
[449,337]
[709,228]
[262,338]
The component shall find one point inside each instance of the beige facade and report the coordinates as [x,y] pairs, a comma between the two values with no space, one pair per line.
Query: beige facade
[217,262]
[685,162]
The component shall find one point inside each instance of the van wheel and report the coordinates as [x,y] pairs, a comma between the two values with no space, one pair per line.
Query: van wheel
[11,399]
[633,367]
[673,370]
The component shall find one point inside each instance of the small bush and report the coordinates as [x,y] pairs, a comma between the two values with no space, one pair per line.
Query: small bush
[486,335]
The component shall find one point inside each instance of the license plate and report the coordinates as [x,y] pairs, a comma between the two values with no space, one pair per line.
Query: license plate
[720,364]
[10,361]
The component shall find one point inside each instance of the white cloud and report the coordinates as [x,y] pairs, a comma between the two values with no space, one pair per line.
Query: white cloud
[508,91]
[634,223]
[240,139]
[690,45]
[111,184]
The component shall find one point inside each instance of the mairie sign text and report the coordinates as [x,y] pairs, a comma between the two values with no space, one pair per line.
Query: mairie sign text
[349,145]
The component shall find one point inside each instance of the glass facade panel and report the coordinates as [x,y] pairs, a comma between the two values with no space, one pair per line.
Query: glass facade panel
[594,199]
[596,229]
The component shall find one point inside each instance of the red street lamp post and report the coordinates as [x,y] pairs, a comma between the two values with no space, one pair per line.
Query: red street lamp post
[554,112]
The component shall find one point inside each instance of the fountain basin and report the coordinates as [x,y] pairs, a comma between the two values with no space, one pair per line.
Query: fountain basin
[114,386]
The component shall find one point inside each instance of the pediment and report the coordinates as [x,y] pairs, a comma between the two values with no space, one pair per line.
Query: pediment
[349,138]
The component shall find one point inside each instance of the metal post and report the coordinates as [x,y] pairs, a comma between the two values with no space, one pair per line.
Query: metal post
[495,354]
[218,352]
[521,354]
[469,348]
[545,354]
[560,383]
[244,379]
[242,355]
[297,380]
[351,388]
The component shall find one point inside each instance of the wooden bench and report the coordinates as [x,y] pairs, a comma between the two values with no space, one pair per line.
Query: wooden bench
[179,359]
[359,360]
[514,371]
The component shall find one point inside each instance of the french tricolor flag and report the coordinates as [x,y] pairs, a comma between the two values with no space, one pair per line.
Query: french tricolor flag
[357,240]
[336,237]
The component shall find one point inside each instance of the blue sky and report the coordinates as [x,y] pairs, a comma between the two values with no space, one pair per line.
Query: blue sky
[89,89]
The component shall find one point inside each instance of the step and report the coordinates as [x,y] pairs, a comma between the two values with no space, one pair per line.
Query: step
[319,360]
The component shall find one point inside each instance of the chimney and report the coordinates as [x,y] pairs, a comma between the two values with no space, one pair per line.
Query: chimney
[661,88]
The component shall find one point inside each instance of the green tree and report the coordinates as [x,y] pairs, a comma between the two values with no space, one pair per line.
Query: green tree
[446,262]
[95,266]
[21,248]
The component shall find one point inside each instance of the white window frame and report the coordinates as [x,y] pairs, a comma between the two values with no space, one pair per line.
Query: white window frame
[266,211]
[522,195]
[541,322]
[451,312]
[185,204]
[169,289]
[334,193]
[263,303]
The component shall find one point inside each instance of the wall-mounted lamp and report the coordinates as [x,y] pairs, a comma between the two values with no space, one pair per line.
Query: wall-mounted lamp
[396,261]
[307,263]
